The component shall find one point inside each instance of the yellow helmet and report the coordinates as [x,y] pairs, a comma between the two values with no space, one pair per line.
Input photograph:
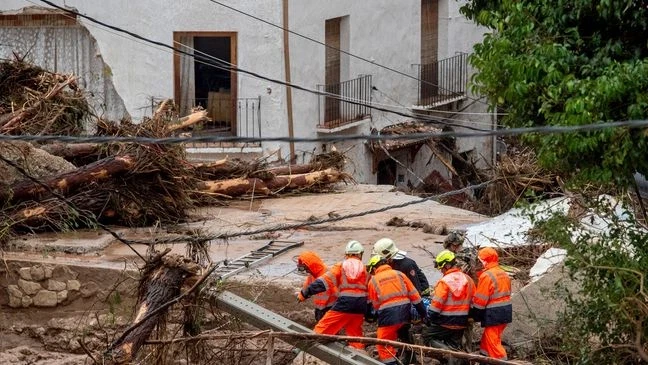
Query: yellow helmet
[373,262]
[444,257]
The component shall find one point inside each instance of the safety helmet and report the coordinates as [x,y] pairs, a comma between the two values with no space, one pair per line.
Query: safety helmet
[444,257]
[385,247]
[354,247]
[373,262]
[453,238]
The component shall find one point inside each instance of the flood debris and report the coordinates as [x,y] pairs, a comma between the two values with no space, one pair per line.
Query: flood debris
[128,184]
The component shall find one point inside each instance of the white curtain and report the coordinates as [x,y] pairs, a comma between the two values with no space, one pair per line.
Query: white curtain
[187,75]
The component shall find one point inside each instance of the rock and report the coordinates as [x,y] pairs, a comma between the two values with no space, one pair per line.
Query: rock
[29,287]
[45,298]
[61,296]
[48,271]
[26,301]
[25,273]
[14,291]
[15,302]
[73,285]
[37,273]
[56,285]
[63,273]
[89,289]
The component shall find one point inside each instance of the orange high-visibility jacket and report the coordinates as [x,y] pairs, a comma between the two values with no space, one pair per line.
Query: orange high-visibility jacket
[491,304]
[451,301]
[391,293]
[316,267]
[351,291]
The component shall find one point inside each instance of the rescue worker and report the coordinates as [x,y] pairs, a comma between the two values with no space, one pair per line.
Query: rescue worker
[350,279]
[409,267]
[448,312]
[491,304]
[391,294]
[312,265]
[466,257]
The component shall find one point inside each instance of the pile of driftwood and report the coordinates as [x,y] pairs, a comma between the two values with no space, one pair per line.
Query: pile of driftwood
[62,186]
[517,176]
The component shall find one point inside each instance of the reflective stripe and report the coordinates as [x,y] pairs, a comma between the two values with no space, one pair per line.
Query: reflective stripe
[493,280]
[394,304]
[454,313]
[482,296]
[352,294]
[478,306]
[451,301]
[437,299]
[501,295]
[495,305]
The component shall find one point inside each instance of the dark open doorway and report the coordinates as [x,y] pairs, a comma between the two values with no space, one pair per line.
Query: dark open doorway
[387,172]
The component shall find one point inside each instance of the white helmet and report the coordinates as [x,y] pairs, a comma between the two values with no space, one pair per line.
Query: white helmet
[354,247]
[385,247]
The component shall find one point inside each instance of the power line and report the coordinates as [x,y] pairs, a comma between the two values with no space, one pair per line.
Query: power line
[283,227]
[60,197]
[330,138]
[334,48]
[224,65]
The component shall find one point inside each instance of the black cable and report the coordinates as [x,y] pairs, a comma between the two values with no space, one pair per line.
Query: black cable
[282,227]
[224,65]
[60,197]
[331,138]
[337,49]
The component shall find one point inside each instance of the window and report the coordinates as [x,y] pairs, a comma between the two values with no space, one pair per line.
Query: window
[200,84]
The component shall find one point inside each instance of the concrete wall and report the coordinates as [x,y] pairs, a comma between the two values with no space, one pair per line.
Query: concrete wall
[384,31]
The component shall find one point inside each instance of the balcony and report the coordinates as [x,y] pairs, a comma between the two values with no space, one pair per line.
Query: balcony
[336,114]
[246,123]
[442,82]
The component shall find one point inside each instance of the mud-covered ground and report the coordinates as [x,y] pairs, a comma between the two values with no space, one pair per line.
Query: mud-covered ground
[51,336]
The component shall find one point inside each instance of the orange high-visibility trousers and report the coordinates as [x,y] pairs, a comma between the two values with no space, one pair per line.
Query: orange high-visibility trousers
[491,342]
[387,353]
[334,321]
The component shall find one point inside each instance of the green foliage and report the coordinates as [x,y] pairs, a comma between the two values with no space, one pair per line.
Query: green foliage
[569,62]
[606,321]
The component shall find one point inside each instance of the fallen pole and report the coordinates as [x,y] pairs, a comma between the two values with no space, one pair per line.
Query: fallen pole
[320,338]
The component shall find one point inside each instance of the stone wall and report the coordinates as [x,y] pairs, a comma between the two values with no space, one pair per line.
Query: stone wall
[43,285]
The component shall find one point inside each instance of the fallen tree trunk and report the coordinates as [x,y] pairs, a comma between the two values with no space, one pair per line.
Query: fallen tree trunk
[241,186]
[292,169]
[72,150]
[234,187]
[162,280]
[328,176]
[191,119]
[70,181]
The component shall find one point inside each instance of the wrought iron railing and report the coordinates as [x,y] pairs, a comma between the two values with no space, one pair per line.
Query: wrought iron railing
[442,81]
[335,112]
[219,110]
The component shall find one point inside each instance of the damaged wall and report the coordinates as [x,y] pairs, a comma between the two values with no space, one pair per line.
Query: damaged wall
[61,45]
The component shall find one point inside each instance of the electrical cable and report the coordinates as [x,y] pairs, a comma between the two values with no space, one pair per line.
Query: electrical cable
[60,197]
[334,48]
[331,138]
[222,64]
[288,226]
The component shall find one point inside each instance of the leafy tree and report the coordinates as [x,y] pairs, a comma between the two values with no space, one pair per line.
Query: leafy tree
[569,62]
[606,321]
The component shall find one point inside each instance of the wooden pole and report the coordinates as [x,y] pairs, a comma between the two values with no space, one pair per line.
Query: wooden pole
[286,40]
[334,338]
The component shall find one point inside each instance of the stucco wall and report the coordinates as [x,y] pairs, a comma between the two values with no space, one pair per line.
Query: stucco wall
[384,31]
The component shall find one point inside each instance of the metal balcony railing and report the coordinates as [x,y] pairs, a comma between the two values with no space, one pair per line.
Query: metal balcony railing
[335,112]
[248,117]
[442,81]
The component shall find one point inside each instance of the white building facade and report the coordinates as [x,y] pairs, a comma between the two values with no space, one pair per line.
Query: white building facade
[413,37]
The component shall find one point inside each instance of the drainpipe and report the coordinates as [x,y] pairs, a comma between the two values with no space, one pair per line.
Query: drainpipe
[286,41]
